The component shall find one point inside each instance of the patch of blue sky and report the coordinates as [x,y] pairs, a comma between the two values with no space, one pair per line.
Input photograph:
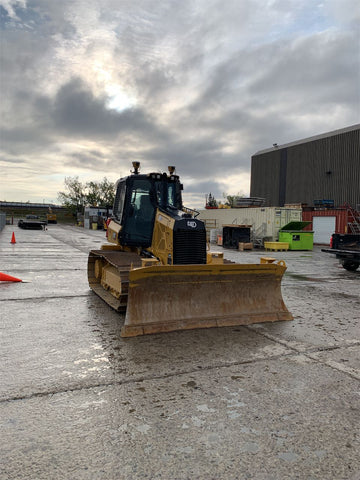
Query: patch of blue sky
[310,21]
[20,18]
[55,176]
[307,19]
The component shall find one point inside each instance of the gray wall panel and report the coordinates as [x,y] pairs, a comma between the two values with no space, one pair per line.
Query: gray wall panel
[323,168]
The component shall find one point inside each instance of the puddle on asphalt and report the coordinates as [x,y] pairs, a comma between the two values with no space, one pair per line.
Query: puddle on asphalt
[306,278]
[342,276]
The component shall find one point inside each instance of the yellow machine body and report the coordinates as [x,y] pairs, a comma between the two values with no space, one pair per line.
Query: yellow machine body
[162,238]
[51,218]
[159,295]
[162,242]
[178,297]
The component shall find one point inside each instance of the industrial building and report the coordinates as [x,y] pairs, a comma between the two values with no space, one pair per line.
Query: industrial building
[319,171]
[316,179]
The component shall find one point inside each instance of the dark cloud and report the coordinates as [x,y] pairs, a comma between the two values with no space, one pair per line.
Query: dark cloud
[208,83]
[197,158]
[216,188]
[94,160]
[77,111]
[306,66]
[12,161]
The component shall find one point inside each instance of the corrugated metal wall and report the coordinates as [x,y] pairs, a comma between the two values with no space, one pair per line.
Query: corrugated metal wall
[265,177]
[325,168]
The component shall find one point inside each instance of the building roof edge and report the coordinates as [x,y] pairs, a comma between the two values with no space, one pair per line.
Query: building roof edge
[309,139]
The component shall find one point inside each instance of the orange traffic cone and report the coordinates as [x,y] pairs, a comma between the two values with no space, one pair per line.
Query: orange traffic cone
[8,278]
[13,238]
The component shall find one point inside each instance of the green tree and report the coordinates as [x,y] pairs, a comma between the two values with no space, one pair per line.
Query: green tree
[100,194]
[107,190]
[75,197]
[231,199]
[211,201]
[92,194]
[79,195]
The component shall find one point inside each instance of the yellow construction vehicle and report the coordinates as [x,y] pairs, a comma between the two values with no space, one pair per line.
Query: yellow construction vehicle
[51,217]
[157,267]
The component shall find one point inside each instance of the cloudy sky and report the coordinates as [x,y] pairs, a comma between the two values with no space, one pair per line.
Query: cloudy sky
[87,86]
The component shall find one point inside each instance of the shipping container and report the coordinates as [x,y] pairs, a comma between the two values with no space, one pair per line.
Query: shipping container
[326,222]
[265,221]
[341,217]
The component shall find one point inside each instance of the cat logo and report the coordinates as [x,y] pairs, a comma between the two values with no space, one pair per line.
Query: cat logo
[191,224]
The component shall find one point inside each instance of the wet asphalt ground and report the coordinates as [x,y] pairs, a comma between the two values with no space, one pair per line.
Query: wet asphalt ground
[267,402]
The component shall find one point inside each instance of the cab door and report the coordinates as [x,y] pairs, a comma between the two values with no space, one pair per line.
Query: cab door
[139,215]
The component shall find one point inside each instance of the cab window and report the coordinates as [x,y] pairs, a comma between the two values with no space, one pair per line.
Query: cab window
[139,223]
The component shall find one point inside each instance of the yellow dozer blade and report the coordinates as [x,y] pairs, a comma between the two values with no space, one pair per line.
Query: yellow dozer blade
[180,297]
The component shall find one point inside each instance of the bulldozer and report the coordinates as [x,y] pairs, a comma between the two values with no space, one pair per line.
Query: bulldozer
[157,266]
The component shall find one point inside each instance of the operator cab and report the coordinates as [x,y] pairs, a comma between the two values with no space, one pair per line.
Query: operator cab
[137,199]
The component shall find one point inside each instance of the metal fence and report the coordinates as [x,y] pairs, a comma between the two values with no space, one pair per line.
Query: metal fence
[2,220]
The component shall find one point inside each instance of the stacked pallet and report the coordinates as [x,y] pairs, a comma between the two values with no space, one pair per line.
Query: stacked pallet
[245,246]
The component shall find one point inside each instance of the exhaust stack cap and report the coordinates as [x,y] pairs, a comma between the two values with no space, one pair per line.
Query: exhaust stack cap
[136,166]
